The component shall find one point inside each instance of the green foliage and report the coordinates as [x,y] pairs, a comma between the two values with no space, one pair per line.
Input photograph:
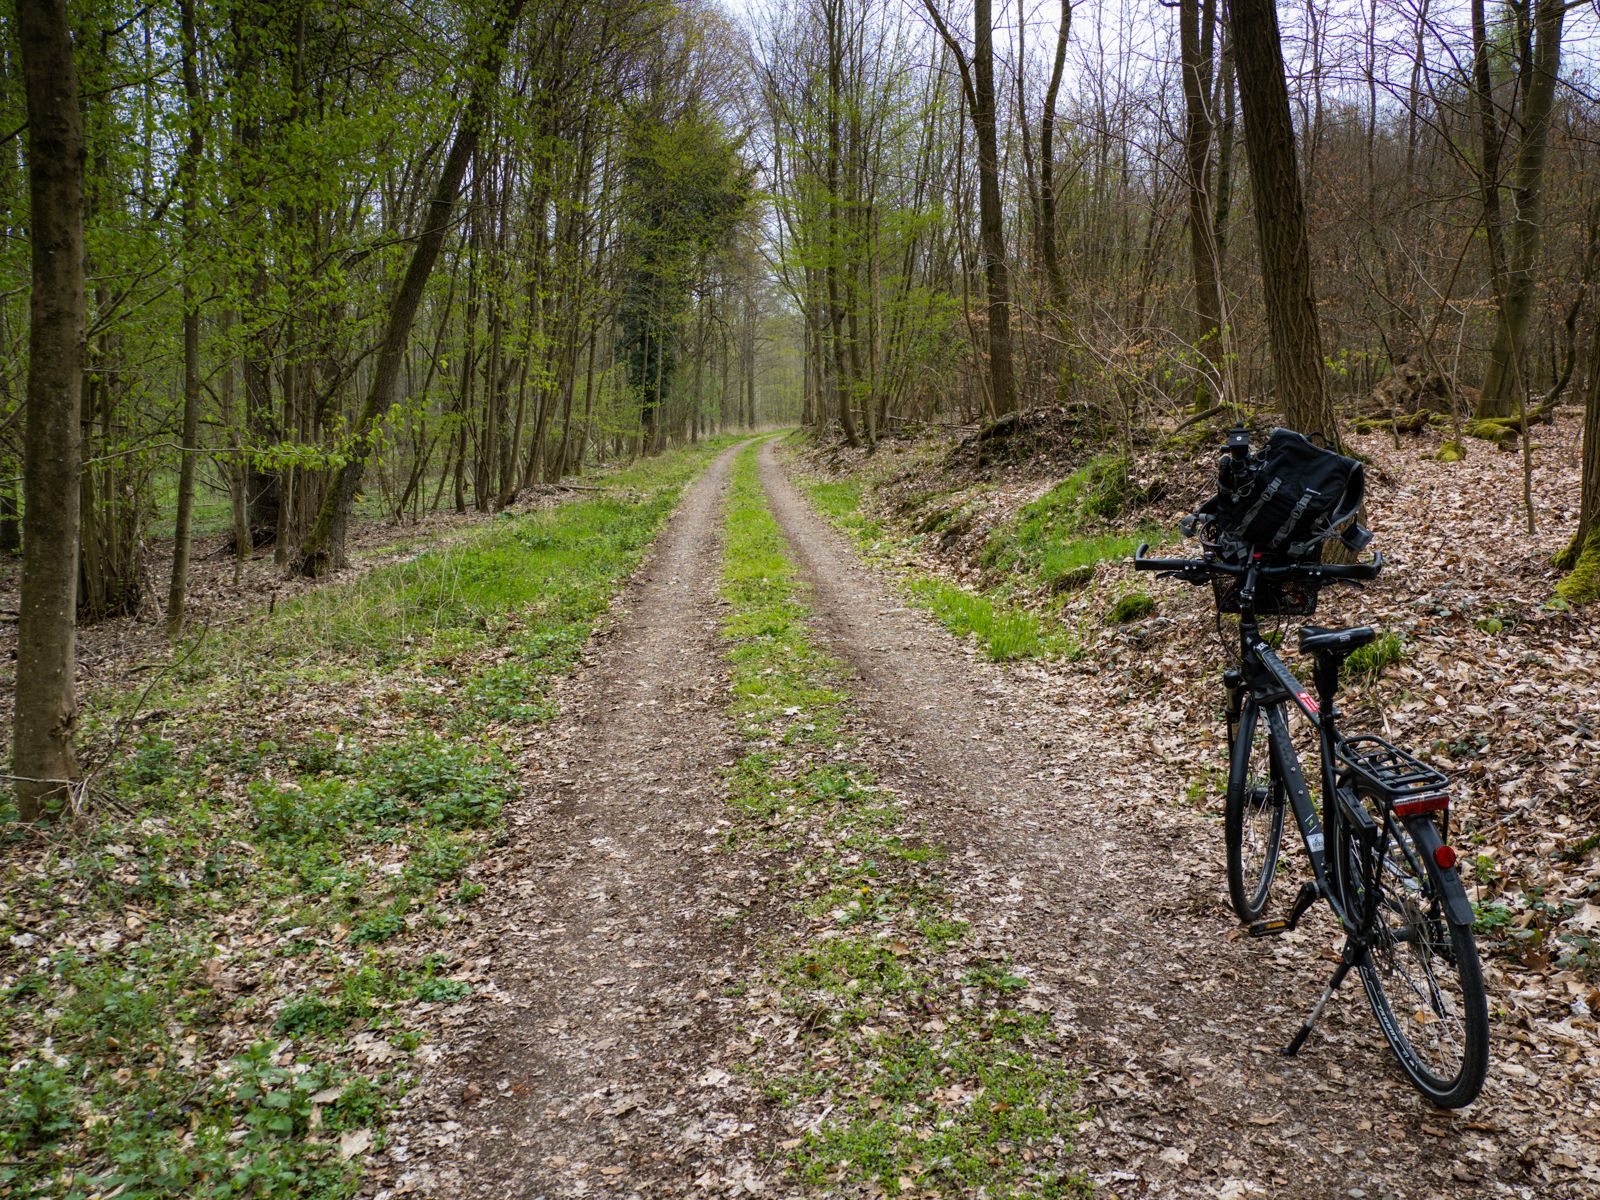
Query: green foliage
[312,1014]
[434,991]
[381,927]
[456,785]
[686,191]
[1048,539]
[37,1108]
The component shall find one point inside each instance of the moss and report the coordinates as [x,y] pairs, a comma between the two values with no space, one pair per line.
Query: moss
[1451,452]
[1583,584]
[1130,608]
[1494,430]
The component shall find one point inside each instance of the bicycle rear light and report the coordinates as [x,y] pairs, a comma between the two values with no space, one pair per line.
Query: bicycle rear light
[1418,805]
[1445,857]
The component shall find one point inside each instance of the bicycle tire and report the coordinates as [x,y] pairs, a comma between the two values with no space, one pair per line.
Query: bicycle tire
[1252,822]
[1421,971]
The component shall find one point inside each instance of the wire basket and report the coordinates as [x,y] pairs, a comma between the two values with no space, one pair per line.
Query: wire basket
[1274,598]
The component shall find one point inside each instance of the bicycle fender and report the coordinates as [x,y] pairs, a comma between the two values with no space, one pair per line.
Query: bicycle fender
[1457,906]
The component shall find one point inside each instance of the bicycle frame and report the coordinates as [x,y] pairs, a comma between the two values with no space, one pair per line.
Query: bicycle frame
[1268,681]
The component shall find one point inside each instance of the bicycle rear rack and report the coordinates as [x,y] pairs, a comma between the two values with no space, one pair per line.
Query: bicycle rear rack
[1388,770]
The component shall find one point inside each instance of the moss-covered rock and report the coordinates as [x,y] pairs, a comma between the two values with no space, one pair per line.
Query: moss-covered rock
[1451,452]
[1131,607]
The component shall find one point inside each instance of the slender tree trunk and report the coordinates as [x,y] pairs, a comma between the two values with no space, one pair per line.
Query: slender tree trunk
[189,169]
[324,546]
[1196,70]
[1047,189]
[46,707]
[1583,554]
[991,216]
[977,80]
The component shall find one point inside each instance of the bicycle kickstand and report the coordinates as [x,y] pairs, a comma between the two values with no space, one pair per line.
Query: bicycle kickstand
[1348,958]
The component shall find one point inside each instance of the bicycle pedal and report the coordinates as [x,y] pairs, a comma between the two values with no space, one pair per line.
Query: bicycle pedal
[1271,928]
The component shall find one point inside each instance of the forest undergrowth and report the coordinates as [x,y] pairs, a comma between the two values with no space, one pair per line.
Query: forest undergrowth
[1481,667]
[220,977]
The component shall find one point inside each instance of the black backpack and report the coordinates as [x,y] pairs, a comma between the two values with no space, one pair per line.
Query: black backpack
[1285,500]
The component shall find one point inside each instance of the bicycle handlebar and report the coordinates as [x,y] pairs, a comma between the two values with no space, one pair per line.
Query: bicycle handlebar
[1198,570]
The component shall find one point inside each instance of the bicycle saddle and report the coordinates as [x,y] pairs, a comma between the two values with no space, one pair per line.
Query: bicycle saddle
[1314,639]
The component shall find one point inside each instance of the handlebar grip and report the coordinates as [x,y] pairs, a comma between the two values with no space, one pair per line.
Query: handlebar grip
[1354,570]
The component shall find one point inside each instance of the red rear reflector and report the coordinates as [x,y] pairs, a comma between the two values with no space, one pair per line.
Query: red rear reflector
[1445,857]
[1421,804]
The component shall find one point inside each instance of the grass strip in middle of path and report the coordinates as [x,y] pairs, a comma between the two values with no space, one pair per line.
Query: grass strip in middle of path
[899,1054]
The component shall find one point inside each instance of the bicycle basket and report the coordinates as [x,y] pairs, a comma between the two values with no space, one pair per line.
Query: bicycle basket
[1274,598]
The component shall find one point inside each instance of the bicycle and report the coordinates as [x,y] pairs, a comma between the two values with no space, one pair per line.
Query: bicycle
[1390,879]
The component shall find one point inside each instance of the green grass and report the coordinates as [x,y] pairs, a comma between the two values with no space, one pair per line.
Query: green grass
[303,819]
[1365,665]
[1005,632]
[977,1098]
[1051,541]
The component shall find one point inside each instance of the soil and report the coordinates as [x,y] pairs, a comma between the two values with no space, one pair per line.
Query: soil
[596,1068]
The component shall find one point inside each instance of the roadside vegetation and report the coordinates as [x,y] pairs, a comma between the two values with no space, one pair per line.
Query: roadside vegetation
[1032,593]
[900,1056]
[223,974]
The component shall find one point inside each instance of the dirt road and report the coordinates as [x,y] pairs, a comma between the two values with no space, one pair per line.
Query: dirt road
[623,931]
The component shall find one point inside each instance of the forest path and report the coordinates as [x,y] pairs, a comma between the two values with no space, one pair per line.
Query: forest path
[622,934]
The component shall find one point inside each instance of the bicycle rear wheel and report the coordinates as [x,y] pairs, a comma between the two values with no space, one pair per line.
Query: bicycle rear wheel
[1252,822]
[1421,969]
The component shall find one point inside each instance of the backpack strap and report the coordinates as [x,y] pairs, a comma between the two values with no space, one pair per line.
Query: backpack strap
[1267,493]
[1295,514]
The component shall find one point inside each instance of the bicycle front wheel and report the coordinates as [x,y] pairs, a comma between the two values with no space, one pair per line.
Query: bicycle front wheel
[1252,821]
[1421,969]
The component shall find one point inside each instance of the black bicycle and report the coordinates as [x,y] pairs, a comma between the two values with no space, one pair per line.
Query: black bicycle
[1378,850]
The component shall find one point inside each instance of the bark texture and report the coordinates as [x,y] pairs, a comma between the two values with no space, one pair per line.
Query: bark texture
[1280,221]
[46,698]
[1524,233]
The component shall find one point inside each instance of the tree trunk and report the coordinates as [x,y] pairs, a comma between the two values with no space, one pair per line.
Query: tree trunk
[324,546]
[46,714]
[1280,221]
[188,169]
[1047,185]
[991,216]
[1584,583]
[1197,152]
[977,82]
[1524,234]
